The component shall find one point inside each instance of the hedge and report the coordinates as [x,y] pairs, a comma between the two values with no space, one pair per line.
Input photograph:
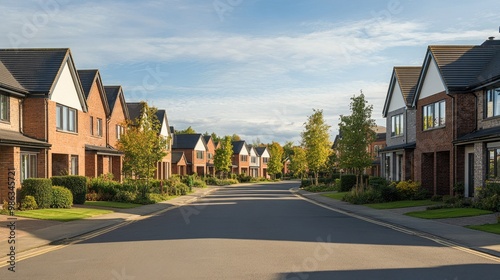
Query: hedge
[40,189]
[347,182]
[61,197]
[76,184]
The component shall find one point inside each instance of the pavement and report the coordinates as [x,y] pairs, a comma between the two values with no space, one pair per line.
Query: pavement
[31,233]
[451,231]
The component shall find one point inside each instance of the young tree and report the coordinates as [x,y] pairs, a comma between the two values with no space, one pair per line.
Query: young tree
[316,141]
[356,135]
[274,165]
[188,130]
[223,154]
[142,144]
[236,137]
[298,162]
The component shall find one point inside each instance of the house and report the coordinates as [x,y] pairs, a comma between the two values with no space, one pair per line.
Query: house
[446,101]
[240,158]
[116,123]
[396,158]
[374,148]
[179,163]
[164,167]
[21,156]
[195,149]
[99,156]
[263,154]
[54,110]
[210,154]
[254,162]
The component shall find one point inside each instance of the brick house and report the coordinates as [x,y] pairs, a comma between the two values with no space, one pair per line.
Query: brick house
[194,148]
[118,114]
[179,163]
[254,162]
[99,156]
[210,154]
[54,110]
[240,158]
[22,155]
[446,109]
[373,149]
[164,168]
[397,157]
[263,154]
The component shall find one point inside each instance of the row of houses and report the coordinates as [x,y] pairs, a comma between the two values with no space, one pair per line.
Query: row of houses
[56,119]
[443,119]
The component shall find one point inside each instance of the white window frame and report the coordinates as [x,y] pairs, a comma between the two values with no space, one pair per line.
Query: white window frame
[66,118]
[99,127]
[73,165]
[397,125]
[4,107]
[28,165]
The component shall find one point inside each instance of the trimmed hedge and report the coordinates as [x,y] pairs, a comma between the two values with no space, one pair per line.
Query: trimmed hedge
[28,203]
[76,184]
[61,197]
[40,189]
[347,182]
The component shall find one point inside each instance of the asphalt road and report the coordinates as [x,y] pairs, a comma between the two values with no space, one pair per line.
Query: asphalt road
[255,232]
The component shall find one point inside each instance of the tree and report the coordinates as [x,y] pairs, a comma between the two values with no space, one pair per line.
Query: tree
[356,135]
[298,161]
[275,166]
[188,130]
[316,141]
[223,154]
[142,144]
[287,151]
[236,137]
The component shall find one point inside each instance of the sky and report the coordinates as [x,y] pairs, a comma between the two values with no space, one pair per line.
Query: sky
[256,68]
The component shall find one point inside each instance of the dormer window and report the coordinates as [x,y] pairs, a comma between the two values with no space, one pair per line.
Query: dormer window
[492,108]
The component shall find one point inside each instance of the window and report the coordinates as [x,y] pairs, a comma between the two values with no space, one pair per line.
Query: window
[210,156]
[28,165]
[199,154]
[254,159]
[244,158]
[265,160]
[492,103]
[99,127]
[494,163]
[91,125]
[434,115]
[74,165]
[397,125]
[66,118]
[119,131]
[4,107]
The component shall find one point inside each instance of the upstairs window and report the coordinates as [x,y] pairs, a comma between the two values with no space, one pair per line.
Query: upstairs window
[254,159]
[492,103]
[99,127]
[4,107]
[244,158]
[119,131]
[199,154]
[434,115]
[265,160]
[66,118]
[397,125]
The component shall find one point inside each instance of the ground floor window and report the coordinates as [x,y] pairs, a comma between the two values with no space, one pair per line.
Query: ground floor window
[28,165]
[74,165]
[494,163]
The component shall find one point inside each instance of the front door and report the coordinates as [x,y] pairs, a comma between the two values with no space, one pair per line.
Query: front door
[471,174]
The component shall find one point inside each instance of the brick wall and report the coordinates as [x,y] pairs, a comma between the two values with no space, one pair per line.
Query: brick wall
[13,123]
[95,105]
[9,159]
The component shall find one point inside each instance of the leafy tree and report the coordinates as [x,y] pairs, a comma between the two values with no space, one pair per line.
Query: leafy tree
[188,130]
[316,141]
[298,161]
[274,165]
[287,151]
[223,154]
[356,135]
[236,137]
[142,144]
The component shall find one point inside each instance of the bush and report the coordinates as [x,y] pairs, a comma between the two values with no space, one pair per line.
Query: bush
[28,203]
[76,184]
[320,188]
[378,182]
[347,182]
[125,196]
[488,197]
[437,197]
[105,189]
[389,193]
[61,197]
[198,183]
[40,189]
[151,198]
[408,189]
[362,197]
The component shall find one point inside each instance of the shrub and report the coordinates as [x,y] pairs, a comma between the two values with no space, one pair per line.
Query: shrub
[125,196]
[198,183]
[320,188]
[105,189]
[28,203]
[347,182]
[389,193]
[61,197]
[40,189]
[488,197]
[378,182]
[437,197]
[76,184]
[242,178]
[408,189]
[362,197]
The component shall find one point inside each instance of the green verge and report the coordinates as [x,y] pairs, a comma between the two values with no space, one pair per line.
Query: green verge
[402,204]
[448,213]
[491,228]
[62,215]
[112,204]
[337,195]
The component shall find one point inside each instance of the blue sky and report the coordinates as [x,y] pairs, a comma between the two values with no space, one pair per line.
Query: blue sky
[256,68]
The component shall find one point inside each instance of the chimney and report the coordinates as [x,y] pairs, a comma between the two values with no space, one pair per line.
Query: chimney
[491,38]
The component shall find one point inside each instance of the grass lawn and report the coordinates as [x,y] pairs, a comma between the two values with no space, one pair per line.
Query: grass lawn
[62,215]
[113,204]
[402,204]
[337,195]
[448,213]
[493,228]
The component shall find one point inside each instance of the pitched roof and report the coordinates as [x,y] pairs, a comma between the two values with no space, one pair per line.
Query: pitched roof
[260,150]
[35,69]
[161,115]
[207,138]
[112,95]
[238,146]
[407,77]
[87,78]
[177,156]
[7,81]
[15,138]
[134,110]
[186,141]
[479,135]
